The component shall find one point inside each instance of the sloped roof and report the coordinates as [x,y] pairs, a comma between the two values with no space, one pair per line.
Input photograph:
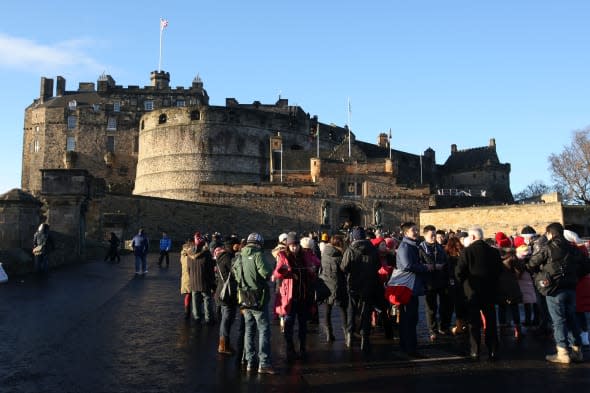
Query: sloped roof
[469,159]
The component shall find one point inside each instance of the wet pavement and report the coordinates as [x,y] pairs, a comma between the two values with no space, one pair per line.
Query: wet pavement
[94,327]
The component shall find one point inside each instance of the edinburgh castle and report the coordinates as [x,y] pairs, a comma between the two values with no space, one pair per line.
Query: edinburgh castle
[107,158]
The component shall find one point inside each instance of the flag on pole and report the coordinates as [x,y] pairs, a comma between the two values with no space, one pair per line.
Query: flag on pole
[163,23]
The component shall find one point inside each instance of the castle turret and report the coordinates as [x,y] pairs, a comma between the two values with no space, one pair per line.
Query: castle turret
[160,79]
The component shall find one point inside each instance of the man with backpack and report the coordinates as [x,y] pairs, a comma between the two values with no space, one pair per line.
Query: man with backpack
[557,264]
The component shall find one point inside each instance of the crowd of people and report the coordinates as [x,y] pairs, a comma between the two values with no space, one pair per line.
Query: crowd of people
[471,285]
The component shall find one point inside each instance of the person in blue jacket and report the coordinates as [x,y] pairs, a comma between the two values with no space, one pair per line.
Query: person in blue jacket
[165,245]
[408,260]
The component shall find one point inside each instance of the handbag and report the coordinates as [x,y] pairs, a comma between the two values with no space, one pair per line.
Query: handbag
[399,289]
[321,290]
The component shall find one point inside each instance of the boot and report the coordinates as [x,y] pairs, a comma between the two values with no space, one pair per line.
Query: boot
[577,355]
[365,344]
[187,312]
[291,354]
[562,356]
[348,340]
[224,347]
[517,332]
[459,327]
[330,334]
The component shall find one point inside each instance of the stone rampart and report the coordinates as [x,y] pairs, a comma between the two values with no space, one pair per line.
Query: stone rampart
[506,218]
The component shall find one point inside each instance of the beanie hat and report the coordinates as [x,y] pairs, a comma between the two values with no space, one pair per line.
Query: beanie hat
[502,240]
[307,242]
[255,238]
[358,233]
[282,237]
[518,241]
[572,237]
[390,243]
[528,230]
[198,239]
[325,237]
[292,238]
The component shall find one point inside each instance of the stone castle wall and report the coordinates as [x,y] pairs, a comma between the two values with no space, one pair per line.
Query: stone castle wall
[505,218]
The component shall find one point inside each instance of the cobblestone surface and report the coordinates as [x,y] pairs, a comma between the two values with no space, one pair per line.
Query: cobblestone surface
[95,328]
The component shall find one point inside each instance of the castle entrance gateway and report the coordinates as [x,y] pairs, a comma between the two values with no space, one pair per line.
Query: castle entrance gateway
[350,213]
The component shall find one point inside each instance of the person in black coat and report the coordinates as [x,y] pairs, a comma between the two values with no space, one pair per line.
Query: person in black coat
[334,279]
[478,270]
[360,264]
[228,306]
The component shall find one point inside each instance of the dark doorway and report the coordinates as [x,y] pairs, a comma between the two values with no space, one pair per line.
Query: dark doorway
[350,214]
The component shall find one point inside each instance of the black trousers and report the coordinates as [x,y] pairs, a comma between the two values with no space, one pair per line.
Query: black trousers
[164,253]
[438,301]
[475,310]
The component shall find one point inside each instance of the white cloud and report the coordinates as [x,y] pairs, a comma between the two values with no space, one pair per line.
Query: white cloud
[26,55]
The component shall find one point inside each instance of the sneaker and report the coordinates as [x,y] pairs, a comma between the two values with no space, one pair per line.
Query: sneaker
[145,271]
[267,370]
[585,341]
[433,337]
[250,368]
[137,273]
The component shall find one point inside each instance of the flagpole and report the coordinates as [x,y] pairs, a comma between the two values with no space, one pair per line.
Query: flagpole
[389,144]
[160,57]
[317,135]
[349,127]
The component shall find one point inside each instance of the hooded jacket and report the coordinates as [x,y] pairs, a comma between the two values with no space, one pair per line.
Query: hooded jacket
[360,264]
[408,260]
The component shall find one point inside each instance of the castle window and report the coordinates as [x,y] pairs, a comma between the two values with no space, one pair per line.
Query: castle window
[96,107]
[70,143]
[36,146]
[148,105]
[116,106]
[112,124]
[181,103]
[72,105]
[162,119]
[142,124]
[111,144]
[195,115]
[135,144]
[72,120]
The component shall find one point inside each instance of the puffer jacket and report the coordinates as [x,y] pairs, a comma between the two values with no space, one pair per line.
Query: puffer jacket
[408,260]
[332,276]
[360,264]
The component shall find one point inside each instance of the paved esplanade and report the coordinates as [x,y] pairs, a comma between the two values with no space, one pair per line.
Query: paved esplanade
[95,328]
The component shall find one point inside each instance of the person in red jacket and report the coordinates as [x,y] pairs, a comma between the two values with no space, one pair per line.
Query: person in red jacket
[296,274]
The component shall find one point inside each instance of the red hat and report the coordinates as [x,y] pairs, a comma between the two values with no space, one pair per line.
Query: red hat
[518,241]
[502,240]
[377,241]
[390,243]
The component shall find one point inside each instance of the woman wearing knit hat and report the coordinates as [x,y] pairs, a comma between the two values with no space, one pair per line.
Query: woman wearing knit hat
[297,275]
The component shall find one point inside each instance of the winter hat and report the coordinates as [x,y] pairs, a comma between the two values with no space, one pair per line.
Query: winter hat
[307,242]
[377,241]
[502,240]
[358,233]
[325,237]
[255,238]
[572,237]
[390,243]
[527,230]
[282,237]
[292,238]
[518,241]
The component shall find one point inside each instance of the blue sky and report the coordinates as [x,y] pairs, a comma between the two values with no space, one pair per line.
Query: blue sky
[435,72]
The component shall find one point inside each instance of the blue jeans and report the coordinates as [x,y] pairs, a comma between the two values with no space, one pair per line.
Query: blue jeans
[228,315]
[201,302]
[562,308]
[140,261]
[408,320]
[257,319]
